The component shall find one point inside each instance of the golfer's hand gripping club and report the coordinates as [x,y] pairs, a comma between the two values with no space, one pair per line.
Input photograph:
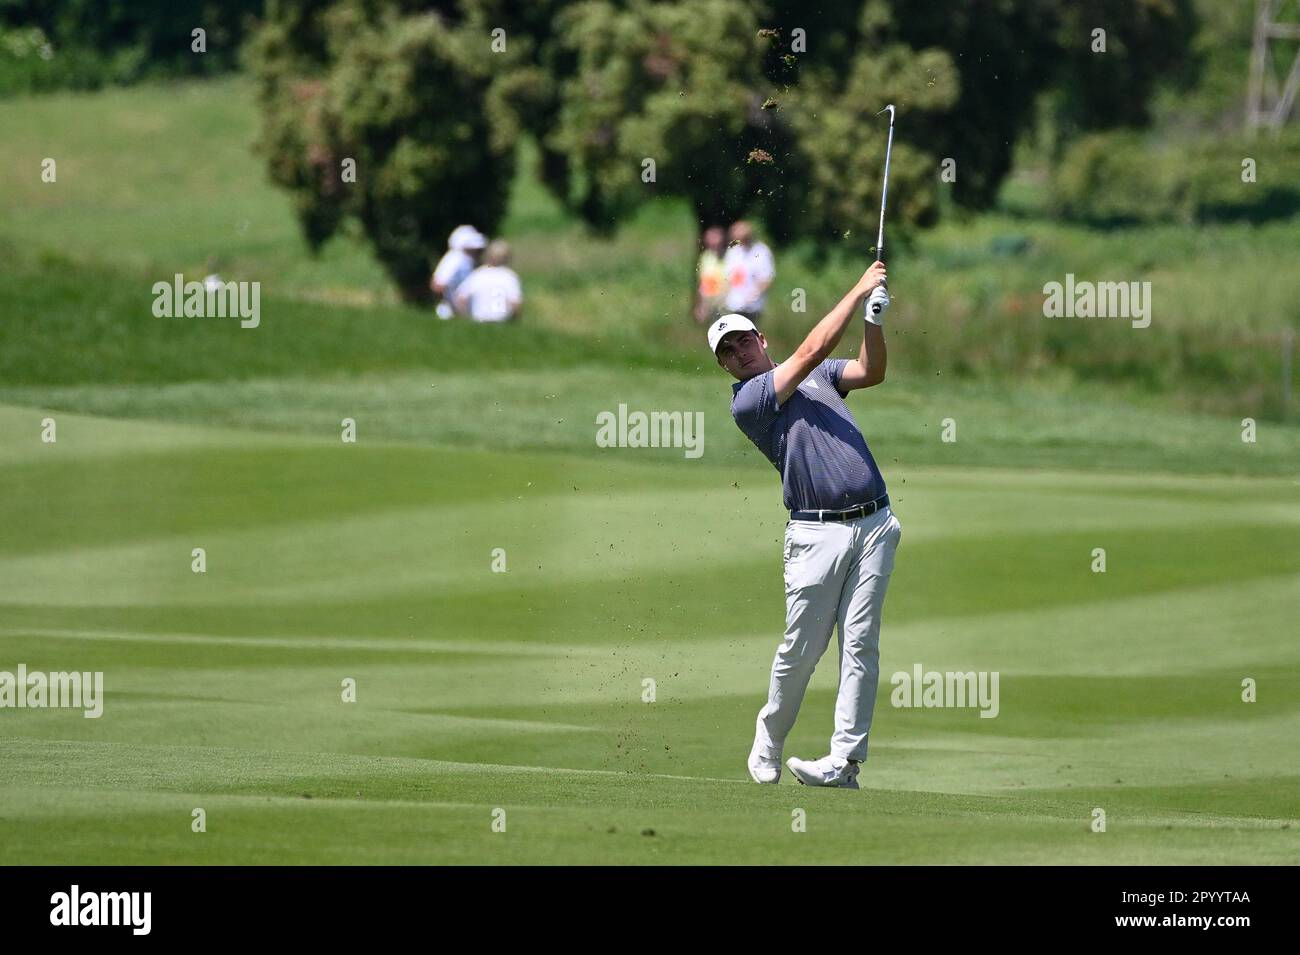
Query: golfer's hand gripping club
[872,286]
[877,304]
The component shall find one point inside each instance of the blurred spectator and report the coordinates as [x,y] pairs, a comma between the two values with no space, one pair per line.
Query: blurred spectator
[492,292]
[750,271]
[212,282]
[463,247]
[711,291]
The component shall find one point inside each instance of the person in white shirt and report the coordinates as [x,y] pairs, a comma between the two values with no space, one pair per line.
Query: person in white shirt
[212,282]
[463,248]
[492,292]
[750,271]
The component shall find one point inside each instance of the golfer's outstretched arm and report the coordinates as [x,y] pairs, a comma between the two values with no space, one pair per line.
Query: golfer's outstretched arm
[869,367]
[821,341]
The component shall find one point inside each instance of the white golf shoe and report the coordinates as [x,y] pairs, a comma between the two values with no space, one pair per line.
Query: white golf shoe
[761,768]
[833,771]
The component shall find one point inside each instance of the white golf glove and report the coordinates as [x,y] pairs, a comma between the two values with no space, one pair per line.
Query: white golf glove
[877,305]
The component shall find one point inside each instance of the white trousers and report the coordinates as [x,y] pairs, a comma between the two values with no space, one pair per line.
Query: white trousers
[835,576]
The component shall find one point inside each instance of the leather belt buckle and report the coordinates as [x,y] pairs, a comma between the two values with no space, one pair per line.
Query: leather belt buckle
[849,514]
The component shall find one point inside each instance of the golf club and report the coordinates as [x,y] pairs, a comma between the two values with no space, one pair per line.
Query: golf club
[879,294]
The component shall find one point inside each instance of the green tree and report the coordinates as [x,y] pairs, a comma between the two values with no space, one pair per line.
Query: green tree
[1145,41]
[96,42]
[675,84]
[402,94]
[758,108]
[1006,54]
[716,100]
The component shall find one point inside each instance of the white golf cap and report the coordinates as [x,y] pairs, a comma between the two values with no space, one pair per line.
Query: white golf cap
[725,326]
[466,237]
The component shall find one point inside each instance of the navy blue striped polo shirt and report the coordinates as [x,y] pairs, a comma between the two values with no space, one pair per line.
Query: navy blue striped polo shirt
[812,439]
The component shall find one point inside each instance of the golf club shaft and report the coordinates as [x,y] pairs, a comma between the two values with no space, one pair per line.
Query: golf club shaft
[884,190]
[873,306]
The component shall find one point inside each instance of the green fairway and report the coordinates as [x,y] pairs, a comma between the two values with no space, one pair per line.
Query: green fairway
[523,690]
[482,687]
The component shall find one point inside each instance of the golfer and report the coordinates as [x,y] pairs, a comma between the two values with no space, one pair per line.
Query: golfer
[841,537]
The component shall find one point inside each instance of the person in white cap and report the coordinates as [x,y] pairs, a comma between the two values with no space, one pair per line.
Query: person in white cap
[463,248]
[841,537]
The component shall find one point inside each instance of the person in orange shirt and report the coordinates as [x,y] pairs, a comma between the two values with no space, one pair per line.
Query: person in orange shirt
[712,274]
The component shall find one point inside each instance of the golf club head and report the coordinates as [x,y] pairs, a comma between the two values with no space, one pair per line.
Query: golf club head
[889,109]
